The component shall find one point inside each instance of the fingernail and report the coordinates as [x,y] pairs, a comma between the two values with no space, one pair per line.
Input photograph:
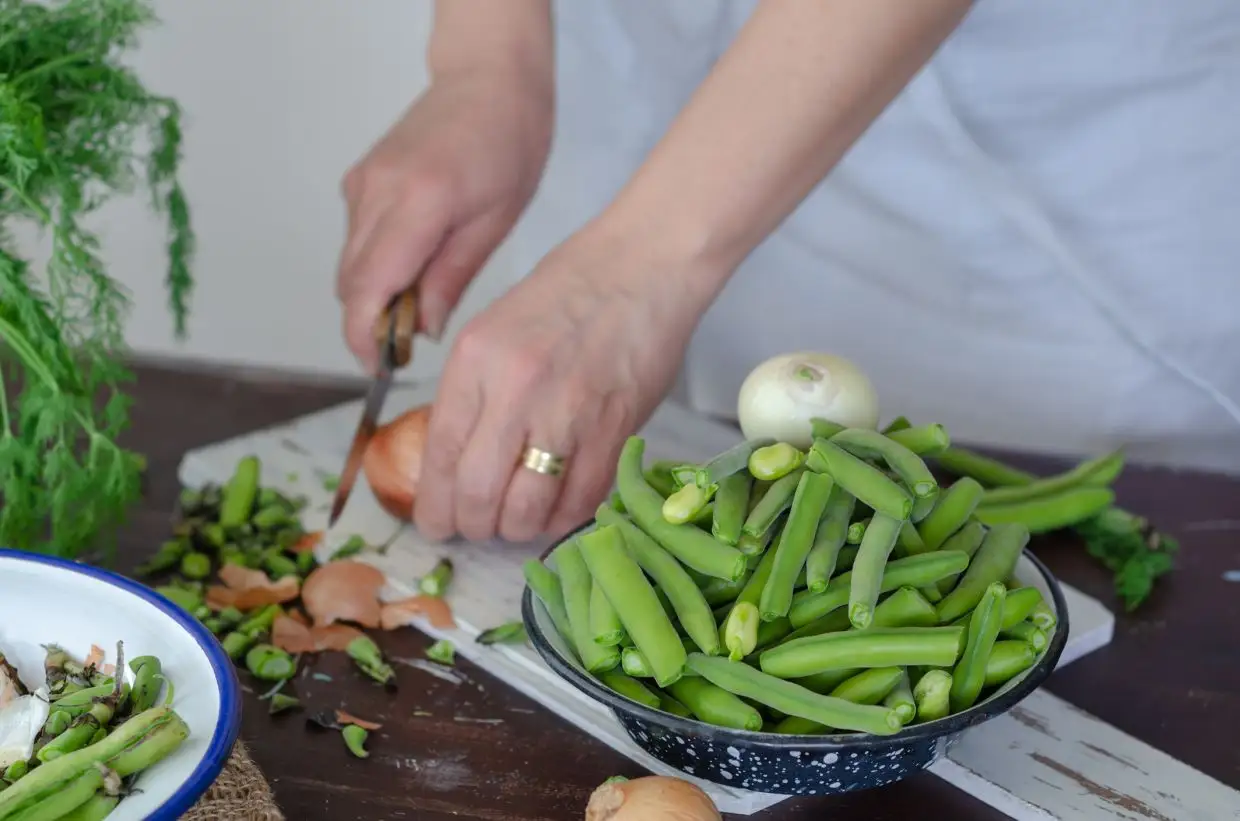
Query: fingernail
[434,316]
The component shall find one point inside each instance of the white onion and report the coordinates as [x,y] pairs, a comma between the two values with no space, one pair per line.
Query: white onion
[782,394]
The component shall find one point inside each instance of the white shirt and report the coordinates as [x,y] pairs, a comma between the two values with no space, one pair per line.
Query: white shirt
[1037,244]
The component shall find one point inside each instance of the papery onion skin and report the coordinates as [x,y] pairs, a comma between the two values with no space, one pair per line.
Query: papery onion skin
[652,798]
[393,461]
[780,396]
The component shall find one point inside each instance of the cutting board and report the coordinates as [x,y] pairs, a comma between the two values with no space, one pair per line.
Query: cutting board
[1044,760]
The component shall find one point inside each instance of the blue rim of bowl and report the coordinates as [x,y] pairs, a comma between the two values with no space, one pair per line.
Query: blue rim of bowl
[995,705]
[229,724]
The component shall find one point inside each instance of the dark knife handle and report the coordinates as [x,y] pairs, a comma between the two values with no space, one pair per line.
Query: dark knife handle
[395,328]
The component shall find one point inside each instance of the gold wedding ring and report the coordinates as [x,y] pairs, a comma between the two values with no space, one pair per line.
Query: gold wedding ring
[541,461]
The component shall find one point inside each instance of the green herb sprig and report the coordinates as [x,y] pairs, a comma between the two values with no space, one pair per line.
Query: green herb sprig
[77,128]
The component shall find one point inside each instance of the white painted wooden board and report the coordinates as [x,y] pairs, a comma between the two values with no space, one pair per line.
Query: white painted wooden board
[487,587]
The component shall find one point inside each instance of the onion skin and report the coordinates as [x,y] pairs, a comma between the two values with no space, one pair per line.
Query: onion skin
[393,461]
[653,798]
[780,396]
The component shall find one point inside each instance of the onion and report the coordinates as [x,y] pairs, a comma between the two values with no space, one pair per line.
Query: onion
[653,798]
[393,461]
[782,394]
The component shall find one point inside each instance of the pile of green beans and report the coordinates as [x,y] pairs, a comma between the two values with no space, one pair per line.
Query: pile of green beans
[99,734]
[772,589]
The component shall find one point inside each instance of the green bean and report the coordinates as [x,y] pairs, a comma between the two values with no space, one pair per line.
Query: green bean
[188,600]
[97,808]
[77,703]
[915,571]
[777,499]
[73,794]
[829,538]
[57,722]
[635,601]
[684,505]
[1047,513]
[1043,617]
[932,692]
[281,702]
[659,477]
[1027,632]
[833,622]
[260,621]
[615,502]
[355,740]
[752,546]
[635,664]
[236,644]
[687,543]
[824,428]
[269,663]
[970,672]
[731,504]
[792,699]
[869,484]
[545,584]
[967,540]
[954,508]
[732,461]
[924,440]
[867,572]
[630,688]
[16,770]
[808,503]
[510,632]
[605,623]
[740,631]
[147,682]
[847,557]
[1019,603]
[827,680]
[897,424]
[994,561]
[905,608]
[909,542]
[870,444]
[576,583]
[240,492]
[722,591]
[856,531]
[1007,660]
[901,699]
[775,461]
[670,705]
[166,557]
[990,472]
[770,632]
[690,606]
[874,647]
[869,686]
[368,658]
[713,704]
[1099,472]
[435,583]
[684,475]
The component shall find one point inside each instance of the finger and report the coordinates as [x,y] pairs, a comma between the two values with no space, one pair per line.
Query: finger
[532,496]
[600,437]
[486,467]
[453,416]
[449,273]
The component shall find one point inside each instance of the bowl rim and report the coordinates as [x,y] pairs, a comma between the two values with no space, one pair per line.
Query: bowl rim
[228,723]
[834,742]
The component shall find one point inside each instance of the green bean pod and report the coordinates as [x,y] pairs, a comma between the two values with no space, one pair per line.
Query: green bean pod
[630,688]
[901,699]
[870,444]
[733,461]
[834,622]
[605,623]
[691,546]
[631,594]
[875,647]
[867,572]
[659,477]
[910,542]
[97,808]
[713,704]
[545,584]
[953,509]
[856,531]
[905,608]
[147,682]
[731,507]
[240,492]
[1098,472]
[1019,604]
[869,484]
[576,583]
[635,664]
[777,499]
[1007,660]
[970,673]
[808,504]
[1043,617]
[670,705]
[686,599]
[990,472]
[1046,513]
[932,693]
[71,795]
[966,540]
[792,699]
[829,538]
[824,428]
[914,571]
[869,686]
[923,440]
[826,681]
[1027,632]
[994,561]
[723,591]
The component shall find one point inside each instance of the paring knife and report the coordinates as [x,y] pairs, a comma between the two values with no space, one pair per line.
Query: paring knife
[394,334]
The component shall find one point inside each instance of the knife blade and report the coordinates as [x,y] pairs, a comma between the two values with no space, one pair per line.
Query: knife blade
[394,333]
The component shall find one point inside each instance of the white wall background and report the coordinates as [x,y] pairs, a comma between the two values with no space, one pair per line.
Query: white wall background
[280,97]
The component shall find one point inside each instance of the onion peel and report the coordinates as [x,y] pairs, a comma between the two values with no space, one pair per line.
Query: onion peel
[404,612]
[343,590]
[348,718]
[246,589]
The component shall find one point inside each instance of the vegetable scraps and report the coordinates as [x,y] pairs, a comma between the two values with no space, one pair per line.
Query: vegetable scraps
[72,118]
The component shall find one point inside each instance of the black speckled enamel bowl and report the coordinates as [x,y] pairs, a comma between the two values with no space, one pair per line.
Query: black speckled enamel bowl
[799,764]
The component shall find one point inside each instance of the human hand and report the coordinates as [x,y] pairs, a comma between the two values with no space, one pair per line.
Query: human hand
[572,360]
[437,194]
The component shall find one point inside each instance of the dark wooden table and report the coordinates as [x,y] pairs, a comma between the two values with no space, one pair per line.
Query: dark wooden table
[478,749]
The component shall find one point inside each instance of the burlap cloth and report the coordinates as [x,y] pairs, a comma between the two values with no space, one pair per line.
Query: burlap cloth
[240,793]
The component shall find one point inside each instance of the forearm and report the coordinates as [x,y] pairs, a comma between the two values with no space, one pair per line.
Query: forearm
[782,106]
[506,35]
